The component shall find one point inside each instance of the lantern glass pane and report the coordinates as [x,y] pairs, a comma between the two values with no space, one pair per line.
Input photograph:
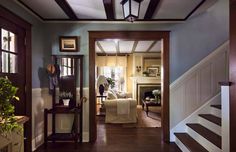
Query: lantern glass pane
[126,9]
[134,8]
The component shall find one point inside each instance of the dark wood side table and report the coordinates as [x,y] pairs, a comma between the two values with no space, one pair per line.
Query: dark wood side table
[148,103]
[102,108]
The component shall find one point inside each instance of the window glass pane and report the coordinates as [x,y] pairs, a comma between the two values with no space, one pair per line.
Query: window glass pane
[5,62]
[4,39]
[69,62]
[64,73]
[69,71]
[12,40]
[117,74]
[13,63]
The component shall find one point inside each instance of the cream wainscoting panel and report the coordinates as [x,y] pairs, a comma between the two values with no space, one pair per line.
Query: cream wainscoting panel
[41,99]
[199,84]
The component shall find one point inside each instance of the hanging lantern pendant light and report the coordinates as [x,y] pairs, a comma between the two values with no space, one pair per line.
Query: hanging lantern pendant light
[131,9]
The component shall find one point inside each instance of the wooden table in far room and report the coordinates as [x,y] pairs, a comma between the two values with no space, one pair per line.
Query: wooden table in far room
[102,111]
[148,103]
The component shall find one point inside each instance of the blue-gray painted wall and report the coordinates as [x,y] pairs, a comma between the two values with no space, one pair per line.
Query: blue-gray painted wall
[198,37]
[38,77]
[190,41]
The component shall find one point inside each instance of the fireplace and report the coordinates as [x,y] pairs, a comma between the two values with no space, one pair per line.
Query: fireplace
[145,87]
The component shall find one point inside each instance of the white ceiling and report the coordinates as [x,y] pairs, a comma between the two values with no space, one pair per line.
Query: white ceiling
[85,9]
[127,46]
[175,9]
[94,9]
[46,8]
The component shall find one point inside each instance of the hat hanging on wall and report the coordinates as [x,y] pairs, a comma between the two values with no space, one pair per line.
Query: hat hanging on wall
[51,69]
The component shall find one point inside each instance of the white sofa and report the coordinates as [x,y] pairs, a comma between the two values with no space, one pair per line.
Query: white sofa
[113,116]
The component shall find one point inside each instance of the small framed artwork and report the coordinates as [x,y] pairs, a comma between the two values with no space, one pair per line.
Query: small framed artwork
[69,43]
[153,71]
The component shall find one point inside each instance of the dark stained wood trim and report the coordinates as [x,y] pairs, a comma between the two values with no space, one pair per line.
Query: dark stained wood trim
[137,35]
[151,9]
[120,20]
[109,18]
[232,75]
[67,9]
[109,8]
[199,5]
[225,83]
[118,54]
[8,15]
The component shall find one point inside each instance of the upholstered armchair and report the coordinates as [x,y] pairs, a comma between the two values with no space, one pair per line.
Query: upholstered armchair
[121,111]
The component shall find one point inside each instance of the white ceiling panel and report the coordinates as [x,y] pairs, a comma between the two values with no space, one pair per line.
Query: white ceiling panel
[143,46]
[108,46]
[88,9]
[143,8]
[126,46]
[175,9]
[118,10]
[156,47]
[48,9]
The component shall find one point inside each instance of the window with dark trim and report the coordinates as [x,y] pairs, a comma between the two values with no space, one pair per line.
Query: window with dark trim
[8,52]
[67,66]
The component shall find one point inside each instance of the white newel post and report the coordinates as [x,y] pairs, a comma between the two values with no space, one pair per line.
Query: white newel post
[225,121]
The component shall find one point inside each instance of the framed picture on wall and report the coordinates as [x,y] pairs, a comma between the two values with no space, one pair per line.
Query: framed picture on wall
[69,43]
[153,71]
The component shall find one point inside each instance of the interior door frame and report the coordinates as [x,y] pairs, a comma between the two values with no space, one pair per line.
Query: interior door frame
[10,16]
[133,35]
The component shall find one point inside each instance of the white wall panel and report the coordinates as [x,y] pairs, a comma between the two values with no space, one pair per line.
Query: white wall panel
[194,88]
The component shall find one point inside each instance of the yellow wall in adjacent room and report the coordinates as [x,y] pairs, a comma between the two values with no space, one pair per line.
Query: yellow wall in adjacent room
[129,73]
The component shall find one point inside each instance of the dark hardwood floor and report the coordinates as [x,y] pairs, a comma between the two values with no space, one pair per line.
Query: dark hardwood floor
[115,138]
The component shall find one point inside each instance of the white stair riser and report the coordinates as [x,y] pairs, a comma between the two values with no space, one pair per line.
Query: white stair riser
[181,145]
[202,141]
[216,112]
[211,126]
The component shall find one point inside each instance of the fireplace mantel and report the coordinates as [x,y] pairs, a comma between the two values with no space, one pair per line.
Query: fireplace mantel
[141,79]
[145,81]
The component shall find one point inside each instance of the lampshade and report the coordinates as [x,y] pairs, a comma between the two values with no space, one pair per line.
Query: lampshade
[101,80]
[131,9]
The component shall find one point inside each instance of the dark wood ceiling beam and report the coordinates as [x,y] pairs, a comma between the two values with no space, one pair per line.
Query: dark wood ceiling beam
[109,54]
[134,46]
[151,46]
[100,47]
[67,9]
[151,9]
[108,5]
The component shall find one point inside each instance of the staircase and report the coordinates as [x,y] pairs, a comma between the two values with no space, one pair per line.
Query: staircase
[203,135]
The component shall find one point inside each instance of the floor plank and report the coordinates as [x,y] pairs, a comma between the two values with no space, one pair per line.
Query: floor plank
[115,138]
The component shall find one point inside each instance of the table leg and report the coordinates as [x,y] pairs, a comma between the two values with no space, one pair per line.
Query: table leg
[147,110]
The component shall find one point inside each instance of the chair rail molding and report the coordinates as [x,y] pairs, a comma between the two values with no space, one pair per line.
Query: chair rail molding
[198,85]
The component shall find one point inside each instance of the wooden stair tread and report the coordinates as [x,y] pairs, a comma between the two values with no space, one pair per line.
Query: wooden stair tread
[211,118]
[206,133]
[216,106]
[191,144]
